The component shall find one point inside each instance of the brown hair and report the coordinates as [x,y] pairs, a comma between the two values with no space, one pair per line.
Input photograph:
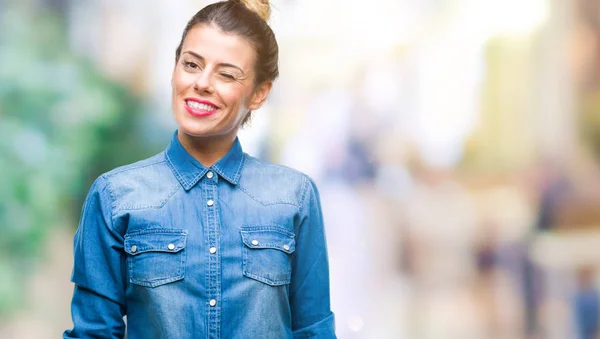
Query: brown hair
[247,19]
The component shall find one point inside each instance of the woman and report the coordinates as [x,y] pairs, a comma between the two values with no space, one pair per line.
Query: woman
[202,240]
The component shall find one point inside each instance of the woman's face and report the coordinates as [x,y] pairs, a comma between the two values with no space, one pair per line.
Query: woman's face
[213,83]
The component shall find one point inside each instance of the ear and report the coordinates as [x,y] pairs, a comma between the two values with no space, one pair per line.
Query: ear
[260,95]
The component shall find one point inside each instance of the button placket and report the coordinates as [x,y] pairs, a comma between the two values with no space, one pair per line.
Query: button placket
[212,231]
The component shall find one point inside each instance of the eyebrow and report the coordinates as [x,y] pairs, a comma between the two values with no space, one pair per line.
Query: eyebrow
[223,64]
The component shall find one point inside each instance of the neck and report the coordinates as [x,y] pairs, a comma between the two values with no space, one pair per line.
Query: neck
[206,150]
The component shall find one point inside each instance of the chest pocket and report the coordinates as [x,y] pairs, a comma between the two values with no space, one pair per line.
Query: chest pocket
[156,256]
[266,254]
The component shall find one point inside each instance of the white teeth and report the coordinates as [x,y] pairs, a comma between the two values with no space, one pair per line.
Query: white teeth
[197,105]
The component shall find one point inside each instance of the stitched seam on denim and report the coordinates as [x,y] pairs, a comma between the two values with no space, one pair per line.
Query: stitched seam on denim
[222,173]
[246,259]
[218,275]
[238,174]
[131,167]
[175,238]
[270,247]
[266,280]
[275,228]
[267,164]
[305,185]
[131,265]
[175,171]
[209,191]
[283,202]
[113,207]
[206,237]
[197,178]
[161,279]
[143,250]
[317,325]
[179,231]
[181,269]
[161,204]
[155,283]
[259,162]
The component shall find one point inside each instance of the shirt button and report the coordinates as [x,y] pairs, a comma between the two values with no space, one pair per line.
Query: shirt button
[286,247]
[213,250]
[254,242]
[133,249]
[210,203]
[213,302]
[171,247]
[209,175]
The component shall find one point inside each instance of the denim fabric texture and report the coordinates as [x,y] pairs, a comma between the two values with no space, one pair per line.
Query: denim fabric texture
[167,248]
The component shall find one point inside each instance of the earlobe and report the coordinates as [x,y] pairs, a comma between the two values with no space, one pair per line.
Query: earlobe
[260,95]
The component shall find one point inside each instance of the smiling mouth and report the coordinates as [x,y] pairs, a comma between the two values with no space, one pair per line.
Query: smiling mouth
[200,106]
[200,109]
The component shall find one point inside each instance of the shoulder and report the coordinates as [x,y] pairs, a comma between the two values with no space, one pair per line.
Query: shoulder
[271,183]
[143,184]
[136,168]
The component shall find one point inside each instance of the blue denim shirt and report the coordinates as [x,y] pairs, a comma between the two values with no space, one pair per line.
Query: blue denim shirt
[236,250]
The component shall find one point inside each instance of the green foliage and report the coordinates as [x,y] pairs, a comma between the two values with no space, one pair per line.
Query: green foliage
[61,124]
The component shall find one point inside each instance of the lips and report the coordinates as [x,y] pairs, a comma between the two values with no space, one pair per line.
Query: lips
[200,108]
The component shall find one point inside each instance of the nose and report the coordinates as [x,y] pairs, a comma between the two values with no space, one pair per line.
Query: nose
[203,83]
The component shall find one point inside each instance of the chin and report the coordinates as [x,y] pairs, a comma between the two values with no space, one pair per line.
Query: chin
[203,128]
[200,130]
[191,126]
[195,131]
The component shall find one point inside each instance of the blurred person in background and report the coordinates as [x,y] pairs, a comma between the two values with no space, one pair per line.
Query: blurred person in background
[202,239]
[586,305]
[552,189]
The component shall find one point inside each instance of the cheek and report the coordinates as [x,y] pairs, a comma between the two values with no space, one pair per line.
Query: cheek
[181,81]
[234,95]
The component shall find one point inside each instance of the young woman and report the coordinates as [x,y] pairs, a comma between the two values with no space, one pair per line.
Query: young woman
[203,240]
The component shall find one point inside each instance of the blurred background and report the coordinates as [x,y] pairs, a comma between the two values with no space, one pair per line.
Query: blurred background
[456,145]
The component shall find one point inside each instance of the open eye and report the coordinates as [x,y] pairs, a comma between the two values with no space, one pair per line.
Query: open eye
[191,65]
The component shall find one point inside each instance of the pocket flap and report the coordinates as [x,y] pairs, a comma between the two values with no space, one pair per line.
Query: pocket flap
[275,238]
[156,240]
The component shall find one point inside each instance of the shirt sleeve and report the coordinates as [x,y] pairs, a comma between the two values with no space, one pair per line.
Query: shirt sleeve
[309,287]
[98,305]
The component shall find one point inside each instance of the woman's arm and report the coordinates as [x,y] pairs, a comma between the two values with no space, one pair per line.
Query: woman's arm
[98,304]
[309,288]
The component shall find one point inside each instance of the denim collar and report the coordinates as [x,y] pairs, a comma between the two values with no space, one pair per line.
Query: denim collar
[189,170]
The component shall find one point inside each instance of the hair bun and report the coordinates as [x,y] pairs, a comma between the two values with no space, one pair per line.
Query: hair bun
[260,7]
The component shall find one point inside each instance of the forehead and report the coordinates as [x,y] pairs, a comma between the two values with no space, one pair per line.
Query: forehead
[219,47]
